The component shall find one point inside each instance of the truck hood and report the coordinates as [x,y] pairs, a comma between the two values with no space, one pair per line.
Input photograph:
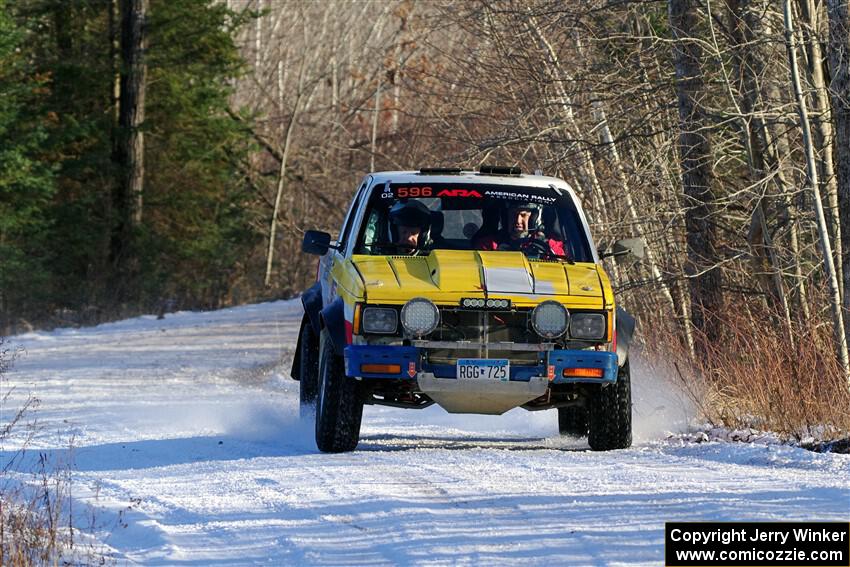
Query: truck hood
[448,275]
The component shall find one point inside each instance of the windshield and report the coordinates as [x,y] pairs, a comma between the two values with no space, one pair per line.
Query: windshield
[413,219]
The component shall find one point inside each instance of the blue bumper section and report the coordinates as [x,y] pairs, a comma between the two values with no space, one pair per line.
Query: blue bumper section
[562,359]
[406,357]
[410,362]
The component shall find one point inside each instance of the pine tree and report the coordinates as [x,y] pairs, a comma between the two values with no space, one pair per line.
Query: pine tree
[196,226]
[26,183]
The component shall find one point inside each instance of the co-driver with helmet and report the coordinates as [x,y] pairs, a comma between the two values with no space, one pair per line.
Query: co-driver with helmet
[521,226]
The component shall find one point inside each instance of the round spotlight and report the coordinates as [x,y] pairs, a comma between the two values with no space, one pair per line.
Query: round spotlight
[419,317]
[550,319]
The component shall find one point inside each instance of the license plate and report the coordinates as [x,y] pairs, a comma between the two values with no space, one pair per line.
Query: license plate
[484,369]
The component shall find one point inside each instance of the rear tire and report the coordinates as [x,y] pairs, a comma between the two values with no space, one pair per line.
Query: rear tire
[308,371]
[339,407]
[610,424]
[572,421]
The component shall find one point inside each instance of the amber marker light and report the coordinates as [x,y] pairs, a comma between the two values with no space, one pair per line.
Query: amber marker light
[356,323]
[583,372]
[380,368]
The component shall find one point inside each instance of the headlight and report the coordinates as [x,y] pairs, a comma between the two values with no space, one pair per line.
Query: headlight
[419,316]
[588,326]
[549,319]
[379,320]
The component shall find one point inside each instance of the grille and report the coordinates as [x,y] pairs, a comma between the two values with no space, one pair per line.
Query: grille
[487,327]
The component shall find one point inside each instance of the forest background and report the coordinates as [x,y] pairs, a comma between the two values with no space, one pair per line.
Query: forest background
[158,155]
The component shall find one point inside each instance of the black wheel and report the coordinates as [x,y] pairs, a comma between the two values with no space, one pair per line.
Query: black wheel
[308,371]
[572,421]
[339,407]
[610,423]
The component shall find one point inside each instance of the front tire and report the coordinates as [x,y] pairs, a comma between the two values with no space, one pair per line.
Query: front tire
[610,424]
[339,407]
[308,371]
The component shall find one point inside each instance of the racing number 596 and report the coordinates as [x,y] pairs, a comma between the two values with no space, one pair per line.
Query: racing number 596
[402,192]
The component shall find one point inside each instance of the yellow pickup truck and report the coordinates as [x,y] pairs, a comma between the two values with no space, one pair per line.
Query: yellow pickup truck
[480,291]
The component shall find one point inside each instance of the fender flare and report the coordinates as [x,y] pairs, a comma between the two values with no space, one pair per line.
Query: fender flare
[625,334]
[333,319]
[312,302]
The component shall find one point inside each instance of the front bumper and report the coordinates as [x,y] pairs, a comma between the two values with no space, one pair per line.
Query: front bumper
[411,361]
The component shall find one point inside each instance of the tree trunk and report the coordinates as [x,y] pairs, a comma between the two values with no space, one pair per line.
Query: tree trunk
[839,90]
[375,117]
[281,186]
[823,135]
[281,177]
[808,144]
[131,142]
[745,28]
[777,156]
[697,174]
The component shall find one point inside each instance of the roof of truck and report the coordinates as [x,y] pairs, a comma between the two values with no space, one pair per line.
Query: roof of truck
[469,176]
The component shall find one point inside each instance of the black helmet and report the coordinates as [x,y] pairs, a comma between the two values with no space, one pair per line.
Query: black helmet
[534,223]
[411,213]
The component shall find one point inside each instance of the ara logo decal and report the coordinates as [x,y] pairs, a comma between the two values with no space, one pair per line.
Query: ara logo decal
[459,193]
[411,369]
[551,372]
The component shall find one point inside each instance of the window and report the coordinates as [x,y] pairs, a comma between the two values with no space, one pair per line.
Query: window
[344,234]
[466,216]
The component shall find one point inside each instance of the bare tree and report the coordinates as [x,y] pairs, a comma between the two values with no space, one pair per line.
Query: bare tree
[744,29]
[697,173]
[839,89]
[808,143]
[822,128]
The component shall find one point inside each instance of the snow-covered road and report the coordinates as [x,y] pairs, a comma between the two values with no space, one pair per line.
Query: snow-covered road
[186,449]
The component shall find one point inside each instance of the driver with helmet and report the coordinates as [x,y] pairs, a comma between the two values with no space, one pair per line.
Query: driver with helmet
[521,226]
[409,227]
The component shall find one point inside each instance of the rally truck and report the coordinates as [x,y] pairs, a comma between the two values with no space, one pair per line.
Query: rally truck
[480,291]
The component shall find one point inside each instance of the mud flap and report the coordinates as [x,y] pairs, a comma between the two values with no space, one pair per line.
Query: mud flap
[295,370]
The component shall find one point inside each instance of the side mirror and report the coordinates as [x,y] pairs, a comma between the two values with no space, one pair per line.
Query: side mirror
[316,242]
[634,246]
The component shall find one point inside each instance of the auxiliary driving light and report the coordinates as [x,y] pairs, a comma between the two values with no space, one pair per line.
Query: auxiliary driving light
[475,303]
[549,319]
[420,316]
